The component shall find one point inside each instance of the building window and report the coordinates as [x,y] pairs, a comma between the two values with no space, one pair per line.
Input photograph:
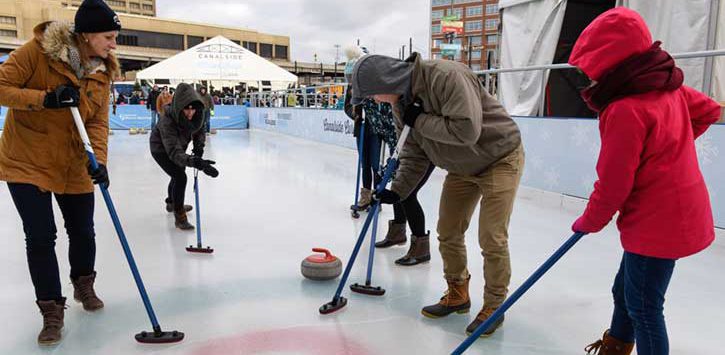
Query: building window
[436,56]
[436,15]
[265,50]
[474,40]
[437,43]
[116,3]
[435,29]
[491,24]
[135,6]
[475,67]
[280,52]
[148,7]
[151,39]
[441,2]
[491,9]
[8,33]
[7,20]
[458,12]
[464,1]
[476,55]
[194,40]
[473,11]
[491,39]
[236,41]
[472,26]
[252,46]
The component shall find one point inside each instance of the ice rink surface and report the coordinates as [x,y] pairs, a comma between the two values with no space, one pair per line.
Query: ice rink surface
[276,198]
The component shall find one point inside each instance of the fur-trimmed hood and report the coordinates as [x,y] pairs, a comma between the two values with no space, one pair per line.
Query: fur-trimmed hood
[56,39]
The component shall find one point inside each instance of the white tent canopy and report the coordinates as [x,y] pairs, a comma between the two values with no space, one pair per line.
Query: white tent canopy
[531,30]
[217,59]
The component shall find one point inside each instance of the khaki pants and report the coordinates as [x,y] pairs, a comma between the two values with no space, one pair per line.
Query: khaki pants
[496,189]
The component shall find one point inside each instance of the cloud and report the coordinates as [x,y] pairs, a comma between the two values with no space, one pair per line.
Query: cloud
[315,26]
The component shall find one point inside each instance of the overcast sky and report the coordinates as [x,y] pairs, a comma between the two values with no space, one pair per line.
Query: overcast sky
[315,26]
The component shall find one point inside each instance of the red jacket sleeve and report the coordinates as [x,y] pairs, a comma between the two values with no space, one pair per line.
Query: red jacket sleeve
[704,111]
[623,132]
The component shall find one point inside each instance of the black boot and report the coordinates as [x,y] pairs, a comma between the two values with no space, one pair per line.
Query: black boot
[170,207]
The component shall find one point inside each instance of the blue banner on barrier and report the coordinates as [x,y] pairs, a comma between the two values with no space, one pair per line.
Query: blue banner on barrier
[326,126]
[137,116]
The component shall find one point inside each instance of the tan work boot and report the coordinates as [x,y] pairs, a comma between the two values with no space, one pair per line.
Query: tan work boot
[454,300]
[396,235]
[609,345]
[83,292]
[419,251]
[482,316]
[182,222]
[53,312]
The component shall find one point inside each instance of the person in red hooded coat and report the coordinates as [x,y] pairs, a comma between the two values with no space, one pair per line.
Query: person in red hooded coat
[647,169]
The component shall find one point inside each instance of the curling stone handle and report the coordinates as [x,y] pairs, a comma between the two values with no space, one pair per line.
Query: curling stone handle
[322,250]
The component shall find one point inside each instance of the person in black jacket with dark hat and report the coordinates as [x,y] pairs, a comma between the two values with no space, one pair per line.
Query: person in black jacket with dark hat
[181,123]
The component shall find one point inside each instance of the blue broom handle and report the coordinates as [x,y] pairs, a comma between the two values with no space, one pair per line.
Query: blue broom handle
[114,216]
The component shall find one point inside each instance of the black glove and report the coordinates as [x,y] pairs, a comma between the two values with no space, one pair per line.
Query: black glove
[387,197]
[198,152]
[205,166]
[63,96]
[211,171]
[411,113]
[100,175]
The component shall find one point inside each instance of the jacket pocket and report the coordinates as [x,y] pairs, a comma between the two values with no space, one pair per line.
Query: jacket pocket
[29,146]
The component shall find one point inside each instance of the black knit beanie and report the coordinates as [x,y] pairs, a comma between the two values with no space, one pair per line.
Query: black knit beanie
[95,16]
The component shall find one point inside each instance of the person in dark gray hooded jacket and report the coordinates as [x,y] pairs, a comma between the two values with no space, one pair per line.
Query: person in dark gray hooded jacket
[182,122]
[458,127]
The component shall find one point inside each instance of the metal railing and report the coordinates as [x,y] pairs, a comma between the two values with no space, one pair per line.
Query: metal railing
[488,82]
[331,96]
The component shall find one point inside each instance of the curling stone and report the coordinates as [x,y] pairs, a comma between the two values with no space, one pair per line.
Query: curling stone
[132,131]
[110,132]
[321,267]
[142,131]
[213,131]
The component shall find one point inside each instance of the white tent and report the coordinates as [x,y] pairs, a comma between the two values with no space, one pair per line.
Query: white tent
[531,30]
[218,59]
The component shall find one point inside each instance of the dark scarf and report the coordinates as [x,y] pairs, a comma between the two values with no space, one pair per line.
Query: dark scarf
[652,70]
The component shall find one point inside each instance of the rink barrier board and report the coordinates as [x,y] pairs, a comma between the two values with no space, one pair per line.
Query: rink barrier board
[571,174]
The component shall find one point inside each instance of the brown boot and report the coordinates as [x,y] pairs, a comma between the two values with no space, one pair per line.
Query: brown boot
[609,345]
[454,300]
[395,236]
[84,292]
[419,251]
[53,312]
[366,197]
[481,318]
[181,221]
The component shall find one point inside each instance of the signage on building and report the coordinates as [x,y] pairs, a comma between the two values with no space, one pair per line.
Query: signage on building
[452,26]
[450,49]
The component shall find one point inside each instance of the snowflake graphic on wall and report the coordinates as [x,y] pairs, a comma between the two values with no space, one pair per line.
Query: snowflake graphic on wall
[551,178]
[707,152]
[587,183]
[582,134]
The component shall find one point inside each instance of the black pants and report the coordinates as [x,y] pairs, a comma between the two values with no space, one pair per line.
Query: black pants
[36,210]
[410,210]
[177,185]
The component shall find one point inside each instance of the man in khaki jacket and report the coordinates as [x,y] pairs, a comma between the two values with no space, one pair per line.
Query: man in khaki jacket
[459,127]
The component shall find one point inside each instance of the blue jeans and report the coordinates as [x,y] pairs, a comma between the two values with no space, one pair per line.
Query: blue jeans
[154,118]
[371,158]
[207,120]
[639,296]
